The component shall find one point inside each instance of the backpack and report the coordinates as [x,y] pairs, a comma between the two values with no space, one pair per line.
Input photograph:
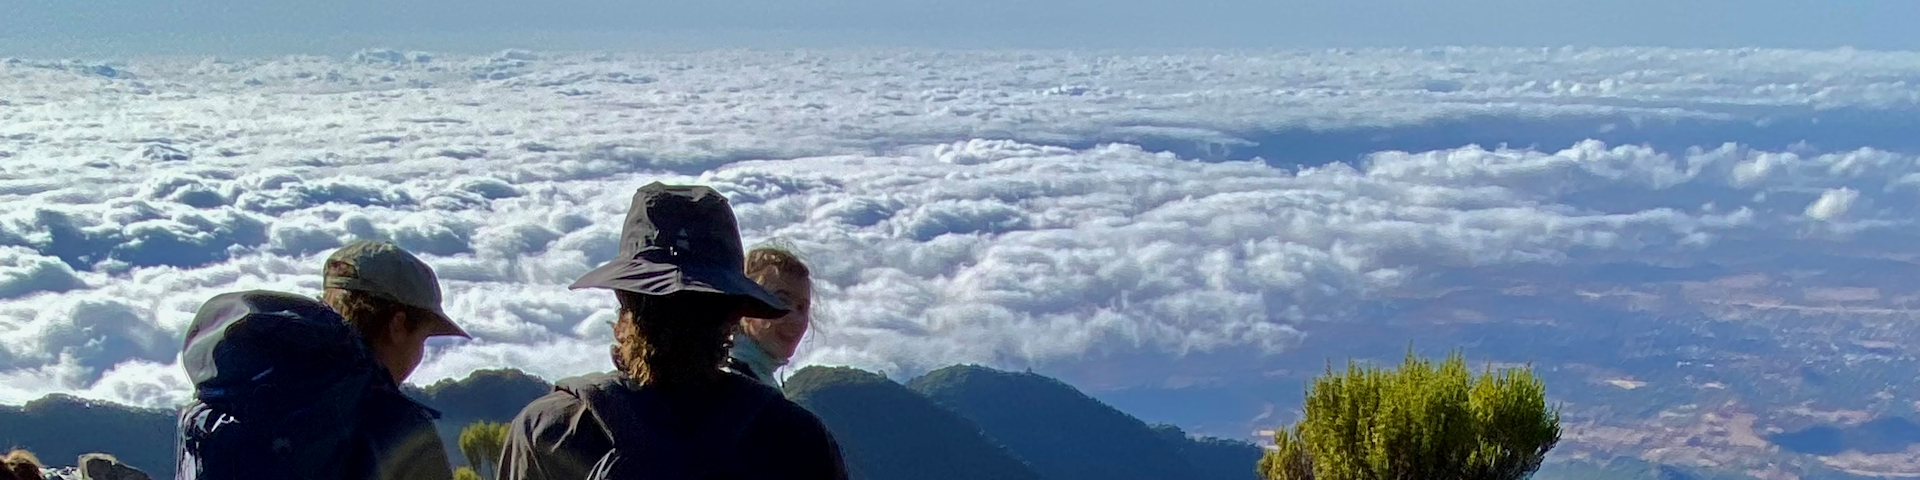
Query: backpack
[278,382]
[642,426]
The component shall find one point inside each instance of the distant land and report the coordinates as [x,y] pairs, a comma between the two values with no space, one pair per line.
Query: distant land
[961,422]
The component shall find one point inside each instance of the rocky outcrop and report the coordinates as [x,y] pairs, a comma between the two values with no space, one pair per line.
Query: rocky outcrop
[101,466]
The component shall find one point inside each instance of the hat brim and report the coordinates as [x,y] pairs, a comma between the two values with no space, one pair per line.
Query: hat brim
[651,278]
[443,326]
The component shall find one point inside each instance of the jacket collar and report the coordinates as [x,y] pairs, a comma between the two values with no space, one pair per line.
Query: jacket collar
[384,386]
[748,351]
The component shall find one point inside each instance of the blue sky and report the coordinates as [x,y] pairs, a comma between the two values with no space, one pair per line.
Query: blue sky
[64,27]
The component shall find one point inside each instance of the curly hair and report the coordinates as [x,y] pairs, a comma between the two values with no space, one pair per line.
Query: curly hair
[21,465]
[367,313]
[674,341]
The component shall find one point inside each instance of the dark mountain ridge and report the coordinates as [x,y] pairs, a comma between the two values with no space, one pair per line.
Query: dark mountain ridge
[1064,433]
[887,431]
[59,428]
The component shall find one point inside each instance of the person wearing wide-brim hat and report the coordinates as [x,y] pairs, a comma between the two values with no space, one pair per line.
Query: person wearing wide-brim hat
[669,410]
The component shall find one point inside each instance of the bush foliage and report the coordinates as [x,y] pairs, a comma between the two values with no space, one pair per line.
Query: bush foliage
[1423,421]
[482,443]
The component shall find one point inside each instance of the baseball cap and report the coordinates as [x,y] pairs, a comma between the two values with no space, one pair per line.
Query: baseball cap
[389,272]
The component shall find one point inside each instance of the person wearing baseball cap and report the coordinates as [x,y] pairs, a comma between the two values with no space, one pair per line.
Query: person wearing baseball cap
[393,300]
[669,410]
[289,385]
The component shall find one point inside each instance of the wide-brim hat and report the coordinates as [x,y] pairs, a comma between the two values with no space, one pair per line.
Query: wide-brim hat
[683,238]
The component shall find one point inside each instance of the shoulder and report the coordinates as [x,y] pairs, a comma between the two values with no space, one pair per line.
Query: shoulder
[557,402]
[398,425]
[388,406]
[789,418]
[796,415]
[567,404]
[551,419]
[555,436]
[801,441]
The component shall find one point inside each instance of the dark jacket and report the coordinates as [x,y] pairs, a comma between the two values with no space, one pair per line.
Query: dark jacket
[394,439]
[557,437]
[397,439]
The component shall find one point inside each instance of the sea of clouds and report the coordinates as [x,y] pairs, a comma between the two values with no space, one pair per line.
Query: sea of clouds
[1004,208]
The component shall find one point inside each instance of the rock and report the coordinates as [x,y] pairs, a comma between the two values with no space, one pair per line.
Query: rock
[101,466]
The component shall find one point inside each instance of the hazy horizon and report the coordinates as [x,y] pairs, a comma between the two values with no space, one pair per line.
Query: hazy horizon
[49,28]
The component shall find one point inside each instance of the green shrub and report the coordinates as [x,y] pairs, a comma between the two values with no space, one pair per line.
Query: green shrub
[1422,421]
[482,443]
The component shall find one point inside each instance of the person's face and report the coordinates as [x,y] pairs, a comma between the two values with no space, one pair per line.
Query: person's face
[404,347]
[781,336]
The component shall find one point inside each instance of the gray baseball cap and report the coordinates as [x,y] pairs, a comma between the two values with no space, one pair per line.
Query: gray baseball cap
[389,272]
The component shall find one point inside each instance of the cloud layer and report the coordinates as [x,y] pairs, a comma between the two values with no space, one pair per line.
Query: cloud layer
[1011,209]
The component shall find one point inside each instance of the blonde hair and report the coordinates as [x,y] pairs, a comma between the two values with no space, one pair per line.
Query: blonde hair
[21,465]
[777,259]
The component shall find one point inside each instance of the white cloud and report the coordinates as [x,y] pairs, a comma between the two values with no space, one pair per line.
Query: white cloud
[25,272]
[1833,203]
[959,207]
[96,334]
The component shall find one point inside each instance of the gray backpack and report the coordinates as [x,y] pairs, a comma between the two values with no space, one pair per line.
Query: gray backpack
[653,441]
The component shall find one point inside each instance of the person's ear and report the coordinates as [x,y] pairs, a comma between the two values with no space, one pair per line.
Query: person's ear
[398,328]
